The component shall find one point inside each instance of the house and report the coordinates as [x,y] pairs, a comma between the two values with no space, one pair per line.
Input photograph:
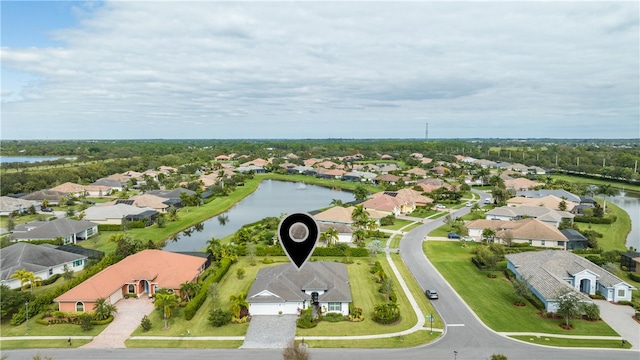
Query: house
[386,157]
[411,196]
[389,204]
[70,231]
[387,178]
[222,158]
[256,162]
[51,196]
[330,174]
[150,201]
[9,205]
[72,189]
[531,231]
[113,214]
[563,194]
[285,289]
[549,216]
[439,170]
[549,272]
[97,190]
[549,201]
[521,184]
[342,215]
[251,168]
[139,274]
[631,260]
[359,176]
[417,173]
[113,184]
[43,261]
[345,232]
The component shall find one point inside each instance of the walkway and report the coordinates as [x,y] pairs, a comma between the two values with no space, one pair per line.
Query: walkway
[126,320]
[270,332]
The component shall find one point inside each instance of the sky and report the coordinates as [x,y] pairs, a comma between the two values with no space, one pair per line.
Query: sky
[341,69]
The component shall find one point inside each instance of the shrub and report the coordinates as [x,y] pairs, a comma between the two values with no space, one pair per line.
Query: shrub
[219,317]
[306,320]
[51,280]
[267,261]
[109,227]
[85,320]
[334,317]
[595,220]
[356,314]
[625,302]
[596,259]
[591,311]
[145,323]
[386,313]
[197,301]
[635,277]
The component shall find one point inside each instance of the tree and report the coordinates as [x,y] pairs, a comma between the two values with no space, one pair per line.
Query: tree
[360,217]
[358,237]
[188,290]
[219,317]
[237,303]
[375,247]
[360,193]
[337,202]
[165,301]
[214,295]
[521,287]
[67,273]
[606,190]
[145,323]
[11,224]
[161,220]
[103,309]
[488,234]
[568,305]
[562,206]
[12,301]
[27,278]
[386,287]
[240,273]
[331,236]
[507,238]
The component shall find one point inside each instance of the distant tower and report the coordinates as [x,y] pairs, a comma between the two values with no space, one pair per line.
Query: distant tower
[426,132]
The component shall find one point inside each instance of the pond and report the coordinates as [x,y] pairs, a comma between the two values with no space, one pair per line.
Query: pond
[630,202]
[29,159]
[272,198]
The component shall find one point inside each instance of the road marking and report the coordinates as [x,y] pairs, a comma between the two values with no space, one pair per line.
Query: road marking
[455,325]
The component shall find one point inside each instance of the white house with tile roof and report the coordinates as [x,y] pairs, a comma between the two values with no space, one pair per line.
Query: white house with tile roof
[549,272]
[284,288]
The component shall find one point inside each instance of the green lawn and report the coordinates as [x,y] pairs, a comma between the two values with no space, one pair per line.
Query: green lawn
[562,342]
[397,224]
[492,299]
[41,344]
[614,235]
[591,181]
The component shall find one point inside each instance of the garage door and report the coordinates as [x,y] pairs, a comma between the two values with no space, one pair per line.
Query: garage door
[264,309]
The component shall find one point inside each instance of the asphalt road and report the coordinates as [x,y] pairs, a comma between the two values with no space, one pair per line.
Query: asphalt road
[464,333]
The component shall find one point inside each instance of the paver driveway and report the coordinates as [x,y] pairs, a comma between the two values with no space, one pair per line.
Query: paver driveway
[126,320]
[270,332]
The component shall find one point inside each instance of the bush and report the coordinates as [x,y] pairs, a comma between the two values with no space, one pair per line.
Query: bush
[192,307]
[145,323]
[591,311]
[625,302]
[306,320]
[355,314]
[85,321]
[635,277]
[334,317]
[267,261]
[219,317]
[595,220]
[109,227]
[596,259]
[52,279]
[387,313]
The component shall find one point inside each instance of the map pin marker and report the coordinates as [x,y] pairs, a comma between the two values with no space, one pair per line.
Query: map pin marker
[298,234]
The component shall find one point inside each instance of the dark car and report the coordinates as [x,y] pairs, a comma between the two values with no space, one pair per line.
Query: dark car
[46,210]
[431,294]
[90,202]
[453,236]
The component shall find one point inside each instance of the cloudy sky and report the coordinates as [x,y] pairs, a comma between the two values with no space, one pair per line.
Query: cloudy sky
[225,70]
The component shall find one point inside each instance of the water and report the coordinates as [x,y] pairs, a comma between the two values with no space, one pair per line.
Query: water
[272,198]
[29,159]
[630,202]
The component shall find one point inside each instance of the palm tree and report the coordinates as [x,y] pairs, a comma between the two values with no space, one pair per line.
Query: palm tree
[606,190]
[358,236]
[360,216]
[102,309]
[188,289]
[237,303]
[165,301]
[27,277]
[332,236]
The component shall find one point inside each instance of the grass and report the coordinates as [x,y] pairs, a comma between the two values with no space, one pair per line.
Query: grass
[41,344]
[35,329]
[365,295]
[562,342]
[187,344]
[411,227]
[592,181]
[395,241]
[334,184]
[397,224]
[492,299]
[442,231]
[413,339]
[614,235]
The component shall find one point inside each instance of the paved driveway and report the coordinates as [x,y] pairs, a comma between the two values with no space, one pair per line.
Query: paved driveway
[126,320]
[270,332]
[619,318]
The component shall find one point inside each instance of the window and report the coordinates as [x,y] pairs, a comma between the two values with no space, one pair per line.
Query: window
[50,271]
[335,306]
[132,289]
[77,263]
[622,293]
[542,242]
[79,307]
[530,242]
[560,243]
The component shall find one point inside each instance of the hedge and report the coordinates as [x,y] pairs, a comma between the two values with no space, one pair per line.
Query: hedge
[595,220]
[109,227]
[635,277]
[51,280]
[194,305]
[262,251]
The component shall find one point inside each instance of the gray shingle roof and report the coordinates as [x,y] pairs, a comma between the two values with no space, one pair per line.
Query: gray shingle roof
[53,229]
[32,258]
[287,283]
[549,270]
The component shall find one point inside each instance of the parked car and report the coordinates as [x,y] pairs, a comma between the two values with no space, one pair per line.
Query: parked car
[440,206]
[453,236]
[90,202]
[468,204]
[487,201]
[46,210]
[467,238]
[431,294]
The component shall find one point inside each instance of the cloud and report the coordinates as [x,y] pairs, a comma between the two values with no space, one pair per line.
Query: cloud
[252,69]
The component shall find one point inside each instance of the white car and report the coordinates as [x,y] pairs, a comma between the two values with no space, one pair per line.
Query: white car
[468,204]
[467,238]
[440,206]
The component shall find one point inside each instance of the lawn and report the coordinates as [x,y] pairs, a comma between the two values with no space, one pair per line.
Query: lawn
[562,342]
[614,235]
[41,344]
[397,224]
[492,299]
[592,181]
[364,291]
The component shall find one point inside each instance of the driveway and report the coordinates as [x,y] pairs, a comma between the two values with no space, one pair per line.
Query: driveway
[619,318]
[126,320]
[270,332]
